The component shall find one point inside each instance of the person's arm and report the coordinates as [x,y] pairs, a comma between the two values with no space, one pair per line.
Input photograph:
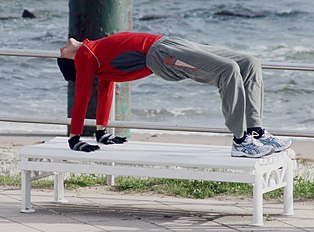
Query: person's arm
[105,96]
[85,71]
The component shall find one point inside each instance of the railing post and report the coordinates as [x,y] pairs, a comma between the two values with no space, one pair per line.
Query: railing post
[94,20]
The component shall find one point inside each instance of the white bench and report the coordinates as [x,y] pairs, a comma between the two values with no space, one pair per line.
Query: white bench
[162,160]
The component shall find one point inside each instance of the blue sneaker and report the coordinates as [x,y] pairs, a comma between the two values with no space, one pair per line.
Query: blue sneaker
[251,148]
[277,143]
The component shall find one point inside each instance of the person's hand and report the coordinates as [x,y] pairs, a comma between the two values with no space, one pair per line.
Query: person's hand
[77,145]
[103,137]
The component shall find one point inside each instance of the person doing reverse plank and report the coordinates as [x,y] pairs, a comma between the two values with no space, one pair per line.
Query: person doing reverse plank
[129,56]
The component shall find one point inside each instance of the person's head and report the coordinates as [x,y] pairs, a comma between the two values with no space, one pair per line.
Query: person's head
[69,50]
[66,59]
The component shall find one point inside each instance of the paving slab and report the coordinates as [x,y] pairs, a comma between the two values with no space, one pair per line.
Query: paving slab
[89,210]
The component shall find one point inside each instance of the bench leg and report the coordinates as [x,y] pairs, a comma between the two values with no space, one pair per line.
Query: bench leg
[59,188]
[258,200]
[110,178]
[26,206]
[288,189]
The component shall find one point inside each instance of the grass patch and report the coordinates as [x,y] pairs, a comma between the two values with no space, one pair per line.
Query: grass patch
[181,188]
[12,181]
[75,181]
[303,189]
[72,182]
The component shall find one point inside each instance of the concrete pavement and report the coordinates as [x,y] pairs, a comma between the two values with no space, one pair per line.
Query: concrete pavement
[97,209]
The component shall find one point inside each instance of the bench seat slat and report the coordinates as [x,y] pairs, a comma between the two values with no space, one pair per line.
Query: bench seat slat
[185,155]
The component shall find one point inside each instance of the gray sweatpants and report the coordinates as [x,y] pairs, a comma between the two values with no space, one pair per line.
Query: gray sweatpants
[237,76]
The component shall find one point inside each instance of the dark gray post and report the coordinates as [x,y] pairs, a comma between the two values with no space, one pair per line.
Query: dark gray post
[94,20]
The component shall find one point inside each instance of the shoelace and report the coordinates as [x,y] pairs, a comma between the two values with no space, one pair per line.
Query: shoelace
[268,136]
[251,146]
[255,141]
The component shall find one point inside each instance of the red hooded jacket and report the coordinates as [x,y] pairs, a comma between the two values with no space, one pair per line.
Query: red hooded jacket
[118,58]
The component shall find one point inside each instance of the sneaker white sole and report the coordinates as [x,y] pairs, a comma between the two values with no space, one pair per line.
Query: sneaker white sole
[279,149]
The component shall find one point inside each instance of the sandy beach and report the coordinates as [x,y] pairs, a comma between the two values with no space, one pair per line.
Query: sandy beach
[10,145]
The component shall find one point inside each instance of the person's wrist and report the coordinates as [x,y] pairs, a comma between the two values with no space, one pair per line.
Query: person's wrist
[73,140]
[99,134]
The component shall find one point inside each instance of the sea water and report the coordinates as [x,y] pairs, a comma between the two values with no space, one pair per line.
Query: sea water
[280,31]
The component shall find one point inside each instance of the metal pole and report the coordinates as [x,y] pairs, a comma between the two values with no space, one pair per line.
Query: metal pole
[94,20]
[145,125]
[55,54]
[121,16]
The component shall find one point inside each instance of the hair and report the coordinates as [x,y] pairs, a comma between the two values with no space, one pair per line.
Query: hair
[67,68]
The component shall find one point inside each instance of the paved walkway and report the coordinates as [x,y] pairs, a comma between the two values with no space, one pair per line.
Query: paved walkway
[96,210]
